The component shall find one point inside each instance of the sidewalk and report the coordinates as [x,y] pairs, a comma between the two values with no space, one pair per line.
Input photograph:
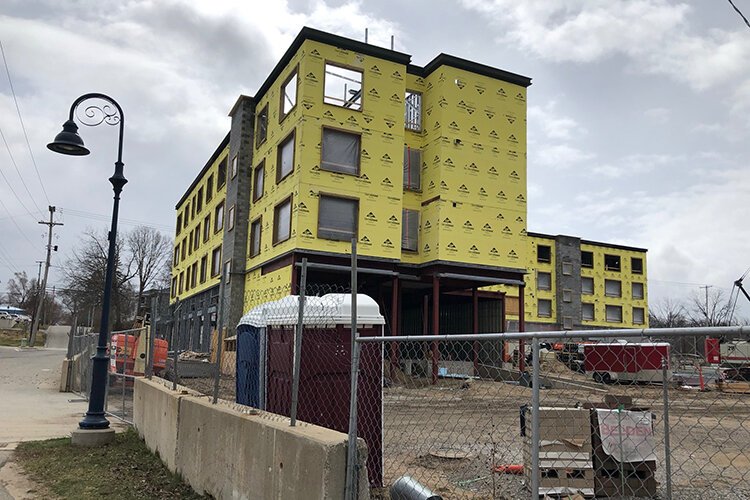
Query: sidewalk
[32,408]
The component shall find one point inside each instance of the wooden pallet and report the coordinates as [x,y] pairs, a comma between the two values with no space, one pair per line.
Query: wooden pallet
[734,387]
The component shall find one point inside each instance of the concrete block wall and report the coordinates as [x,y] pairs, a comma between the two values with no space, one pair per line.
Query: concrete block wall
[229,453]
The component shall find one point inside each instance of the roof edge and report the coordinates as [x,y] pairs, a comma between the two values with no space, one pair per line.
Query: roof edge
[224,143]
[307,33]
[473,67]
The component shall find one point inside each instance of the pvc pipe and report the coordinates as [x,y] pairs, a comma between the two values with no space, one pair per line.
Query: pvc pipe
[408,488]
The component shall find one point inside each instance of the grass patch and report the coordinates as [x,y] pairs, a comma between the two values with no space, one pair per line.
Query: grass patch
[124,469]
[12,338]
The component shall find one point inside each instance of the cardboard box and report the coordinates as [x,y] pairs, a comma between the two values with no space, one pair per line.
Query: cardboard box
[639,476]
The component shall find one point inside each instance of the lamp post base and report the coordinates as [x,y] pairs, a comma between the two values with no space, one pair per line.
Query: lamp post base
[92,438]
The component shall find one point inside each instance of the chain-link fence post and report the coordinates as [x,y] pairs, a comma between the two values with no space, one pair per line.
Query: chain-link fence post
[151,338]
[175,341]
[535,397]
[124,370]
[219,337]
[667,447]
[298,344]
[351,459]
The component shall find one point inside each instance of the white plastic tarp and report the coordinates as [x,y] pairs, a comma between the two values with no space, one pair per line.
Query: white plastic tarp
[627,436]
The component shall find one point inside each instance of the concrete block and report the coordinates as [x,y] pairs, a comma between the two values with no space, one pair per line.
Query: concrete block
[155,417]
[92,437]
[65,376]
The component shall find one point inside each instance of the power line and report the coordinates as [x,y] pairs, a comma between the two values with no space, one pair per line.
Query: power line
[15,165]
[13,220]
[740,13]
[107,218]
[23,127]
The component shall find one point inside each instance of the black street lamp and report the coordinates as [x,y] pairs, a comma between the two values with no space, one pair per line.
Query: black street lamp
[68,142]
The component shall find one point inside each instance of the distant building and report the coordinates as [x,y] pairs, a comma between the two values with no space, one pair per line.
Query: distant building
[424,166]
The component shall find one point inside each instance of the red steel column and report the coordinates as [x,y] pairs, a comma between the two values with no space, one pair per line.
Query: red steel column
[435,325]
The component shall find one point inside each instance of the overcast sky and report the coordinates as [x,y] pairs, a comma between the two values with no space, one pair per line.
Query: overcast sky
[637,117]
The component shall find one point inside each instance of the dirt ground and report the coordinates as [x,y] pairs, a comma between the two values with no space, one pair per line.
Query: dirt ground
[479,423]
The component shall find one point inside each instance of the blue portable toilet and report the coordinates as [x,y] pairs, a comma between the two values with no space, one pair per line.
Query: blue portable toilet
[251,358]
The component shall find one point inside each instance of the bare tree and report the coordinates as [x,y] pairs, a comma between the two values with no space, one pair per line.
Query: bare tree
[149,253]
[22,291]
[85,274]
[709,309]
[667,313]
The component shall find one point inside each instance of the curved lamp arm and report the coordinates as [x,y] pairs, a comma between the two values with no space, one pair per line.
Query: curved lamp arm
[96,115]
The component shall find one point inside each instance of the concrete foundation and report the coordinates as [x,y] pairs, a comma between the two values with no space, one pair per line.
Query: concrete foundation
[230,452]
[92,437]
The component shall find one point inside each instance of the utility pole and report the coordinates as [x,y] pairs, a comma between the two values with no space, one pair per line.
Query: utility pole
[36,297]
[706,287]
[50,225]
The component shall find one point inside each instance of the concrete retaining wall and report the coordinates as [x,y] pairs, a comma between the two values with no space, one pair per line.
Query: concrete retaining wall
[234,452]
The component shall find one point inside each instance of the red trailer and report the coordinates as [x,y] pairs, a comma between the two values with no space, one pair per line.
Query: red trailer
[627,361]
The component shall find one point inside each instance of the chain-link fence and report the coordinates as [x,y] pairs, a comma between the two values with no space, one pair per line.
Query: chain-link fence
[131,353]
[600,414]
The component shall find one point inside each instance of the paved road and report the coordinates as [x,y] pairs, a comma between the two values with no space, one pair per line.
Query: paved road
[57,336]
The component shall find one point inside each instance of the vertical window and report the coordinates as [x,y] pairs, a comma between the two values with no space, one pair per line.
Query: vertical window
[219,217]
[285,158]
[174,286]
[197,237]
[282,221]
[543,253]
[255,235]
[544,308]
[637,290]
[340,151]
[587,312]
[567,268]
[638,316]
[176,256]
[337,218]
[216,261]
[183,249]
[209,188]
[187,277]
[343,87]
[179,225]
[587,285]
[200,199]
[567,295]
[234,166]
[543,281]
[409,230]
[636,265]
[612,262]
[221,177]
[204,268]
[195,203]
[194,276]
[227,271]
[182,281]
[612,288]
[190,244]
[187,214]
[206,228]
[412,167]
[587,259]
[230,218]
[288,95]
[613,314]
[261,126]
[259,181]
[413,111]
